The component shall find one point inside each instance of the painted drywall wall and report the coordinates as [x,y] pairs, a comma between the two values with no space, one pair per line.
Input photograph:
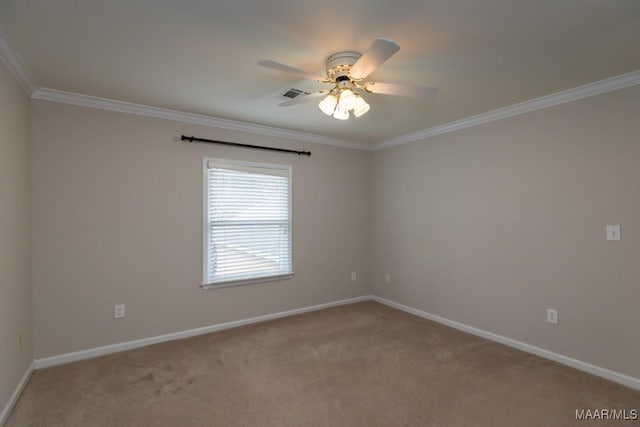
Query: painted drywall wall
[117,219]
[15,236]
[492,225]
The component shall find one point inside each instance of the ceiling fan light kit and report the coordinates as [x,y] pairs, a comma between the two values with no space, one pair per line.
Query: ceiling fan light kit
[346,70]
[343,99]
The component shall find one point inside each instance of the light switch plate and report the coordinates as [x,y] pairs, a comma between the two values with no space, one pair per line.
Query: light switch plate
[613,232]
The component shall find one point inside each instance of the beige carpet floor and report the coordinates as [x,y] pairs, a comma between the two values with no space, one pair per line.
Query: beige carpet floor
[359,365]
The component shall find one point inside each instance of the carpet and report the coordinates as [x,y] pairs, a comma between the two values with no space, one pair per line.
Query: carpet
[363,364]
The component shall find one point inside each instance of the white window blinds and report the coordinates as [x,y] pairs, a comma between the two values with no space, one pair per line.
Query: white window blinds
[247,221]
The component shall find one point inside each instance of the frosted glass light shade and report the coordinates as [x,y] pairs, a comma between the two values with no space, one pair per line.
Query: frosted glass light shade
[360,107]
[347,100]
[328,104]
[341,114]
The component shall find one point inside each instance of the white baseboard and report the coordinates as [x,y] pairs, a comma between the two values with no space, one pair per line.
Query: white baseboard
[565,360]
[16,395]
[115,348]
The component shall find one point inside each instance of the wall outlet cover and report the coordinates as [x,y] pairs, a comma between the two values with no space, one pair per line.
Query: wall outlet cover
[119,311]
[613,232]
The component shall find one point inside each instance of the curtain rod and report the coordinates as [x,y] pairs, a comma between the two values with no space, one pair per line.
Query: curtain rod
[237,144]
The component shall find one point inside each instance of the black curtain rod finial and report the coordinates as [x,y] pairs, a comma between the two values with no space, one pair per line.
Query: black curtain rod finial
[237,144]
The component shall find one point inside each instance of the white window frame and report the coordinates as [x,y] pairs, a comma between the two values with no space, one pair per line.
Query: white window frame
[205,223]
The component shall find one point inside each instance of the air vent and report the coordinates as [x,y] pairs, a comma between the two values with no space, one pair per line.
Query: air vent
[294,93]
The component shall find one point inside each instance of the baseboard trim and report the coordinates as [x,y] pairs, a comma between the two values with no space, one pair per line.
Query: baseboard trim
[16,395]
[528,348]
[129,345]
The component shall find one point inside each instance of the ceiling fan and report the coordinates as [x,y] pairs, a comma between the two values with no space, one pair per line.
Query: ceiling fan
[347,71]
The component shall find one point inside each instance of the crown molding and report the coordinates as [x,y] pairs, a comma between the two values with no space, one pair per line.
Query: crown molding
[16,66]
[9,55]
[63,97]
[569,95]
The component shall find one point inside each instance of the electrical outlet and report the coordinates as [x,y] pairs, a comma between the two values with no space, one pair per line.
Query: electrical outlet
[19,341]
[354,276]
[613,232]
[387,278]
[552,316]
[119,311]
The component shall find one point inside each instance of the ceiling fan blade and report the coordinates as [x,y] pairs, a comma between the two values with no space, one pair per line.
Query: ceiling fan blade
[378,52]
[291,70]
[400,89]
[302,99]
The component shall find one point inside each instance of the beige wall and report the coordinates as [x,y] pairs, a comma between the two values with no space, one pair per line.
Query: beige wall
[487,226]
[491,225]
[15,236]
[117,219]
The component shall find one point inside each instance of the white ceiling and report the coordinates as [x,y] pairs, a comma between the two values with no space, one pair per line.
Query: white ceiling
[200,56]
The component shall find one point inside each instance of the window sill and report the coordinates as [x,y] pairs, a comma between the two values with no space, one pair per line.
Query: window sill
[243,282]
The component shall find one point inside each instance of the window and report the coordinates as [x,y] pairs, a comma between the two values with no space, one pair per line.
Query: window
[247,222]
